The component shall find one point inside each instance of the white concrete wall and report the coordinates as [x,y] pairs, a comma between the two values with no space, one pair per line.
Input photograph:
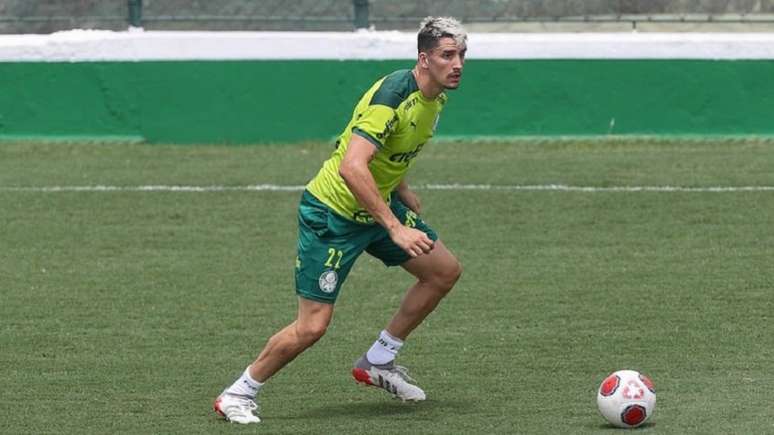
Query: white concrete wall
[98,45]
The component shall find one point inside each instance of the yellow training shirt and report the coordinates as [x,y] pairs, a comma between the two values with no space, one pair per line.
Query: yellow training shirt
[398,120]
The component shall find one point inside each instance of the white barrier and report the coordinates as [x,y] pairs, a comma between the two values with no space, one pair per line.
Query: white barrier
[98,45]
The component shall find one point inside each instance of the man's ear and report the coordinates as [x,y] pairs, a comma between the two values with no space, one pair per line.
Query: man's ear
[423,62]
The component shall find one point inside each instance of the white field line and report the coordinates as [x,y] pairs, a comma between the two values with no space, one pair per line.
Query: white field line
[154,188]
[448,187]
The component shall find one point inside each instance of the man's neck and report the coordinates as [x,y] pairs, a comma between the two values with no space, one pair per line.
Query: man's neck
[429,89]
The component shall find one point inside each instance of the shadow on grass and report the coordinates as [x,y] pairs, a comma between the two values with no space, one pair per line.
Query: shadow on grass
[606,426]
[377,409]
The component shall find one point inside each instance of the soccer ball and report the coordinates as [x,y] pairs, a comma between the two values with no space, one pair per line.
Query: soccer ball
[626,398]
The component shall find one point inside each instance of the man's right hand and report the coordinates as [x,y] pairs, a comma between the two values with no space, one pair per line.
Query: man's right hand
[411,240]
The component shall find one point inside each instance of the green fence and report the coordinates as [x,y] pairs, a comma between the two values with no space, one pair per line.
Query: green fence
[278,101]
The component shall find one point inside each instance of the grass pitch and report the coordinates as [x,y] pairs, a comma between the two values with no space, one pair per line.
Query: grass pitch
[128,311]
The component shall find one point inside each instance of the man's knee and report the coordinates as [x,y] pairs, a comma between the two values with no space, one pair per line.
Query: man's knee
[453,274]
[445,278]
[312,322]
[309,332]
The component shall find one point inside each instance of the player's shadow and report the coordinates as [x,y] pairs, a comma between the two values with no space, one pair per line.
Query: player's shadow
[606,426]
[377,409]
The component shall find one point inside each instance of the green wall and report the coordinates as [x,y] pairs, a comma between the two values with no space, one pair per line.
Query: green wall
[277,101]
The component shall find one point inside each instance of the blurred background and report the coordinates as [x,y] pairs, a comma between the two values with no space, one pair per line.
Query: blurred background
[46,16]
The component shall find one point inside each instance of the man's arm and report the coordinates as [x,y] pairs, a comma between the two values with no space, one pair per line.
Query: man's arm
[409,197]
[354,170]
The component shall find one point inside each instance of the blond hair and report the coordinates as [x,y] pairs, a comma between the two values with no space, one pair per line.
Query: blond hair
[432,29]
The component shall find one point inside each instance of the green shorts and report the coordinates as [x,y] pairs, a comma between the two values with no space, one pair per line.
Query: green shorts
[329,244]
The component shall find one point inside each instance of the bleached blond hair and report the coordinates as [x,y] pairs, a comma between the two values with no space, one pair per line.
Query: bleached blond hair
[432,29]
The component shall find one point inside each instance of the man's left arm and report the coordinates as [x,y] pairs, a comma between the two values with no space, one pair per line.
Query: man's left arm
[409,197]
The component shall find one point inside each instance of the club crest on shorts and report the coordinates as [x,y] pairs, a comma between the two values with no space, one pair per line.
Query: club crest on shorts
[328,281]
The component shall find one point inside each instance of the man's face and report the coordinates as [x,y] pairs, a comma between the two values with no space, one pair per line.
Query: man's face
[445,63]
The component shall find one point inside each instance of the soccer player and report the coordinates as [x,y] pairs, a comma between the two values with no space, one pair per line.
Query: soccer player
[359,201]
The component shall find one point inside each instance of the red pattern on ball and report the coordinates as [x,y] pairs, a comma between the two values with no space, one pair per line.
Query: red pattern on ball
[609,385]
[648,383]
[633,415]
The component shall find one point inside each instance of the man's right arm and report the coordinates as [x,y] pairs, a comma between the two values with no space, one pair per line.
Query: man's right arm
[354,170]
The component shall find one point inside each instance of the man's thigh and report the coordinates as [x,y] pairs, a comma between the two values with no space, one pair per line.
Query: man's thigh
[382,246]
[328,246]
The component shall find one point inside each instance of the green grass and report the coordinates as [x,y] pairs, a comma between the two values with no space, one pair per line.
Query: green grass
[129,311]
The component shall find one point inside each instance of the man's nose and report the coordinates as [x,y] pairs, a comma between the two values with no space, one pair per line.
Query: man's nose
[457,64]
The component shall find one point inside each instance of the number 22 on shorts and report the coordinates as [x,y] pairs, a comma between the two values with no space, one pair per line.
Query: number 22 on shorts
[334,254]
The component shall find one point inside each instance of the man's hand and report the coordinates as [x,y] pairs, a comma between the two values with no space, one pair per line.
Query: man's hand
[411,240]
[410,199]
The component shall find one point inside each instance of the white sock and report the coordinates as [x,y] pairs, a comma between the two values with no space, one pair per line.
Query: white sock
[384,349]
[245,385]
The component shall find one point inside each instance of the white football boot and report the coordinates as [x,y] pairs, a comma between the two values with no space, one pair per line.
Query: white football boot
[394,379]
[236,409]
